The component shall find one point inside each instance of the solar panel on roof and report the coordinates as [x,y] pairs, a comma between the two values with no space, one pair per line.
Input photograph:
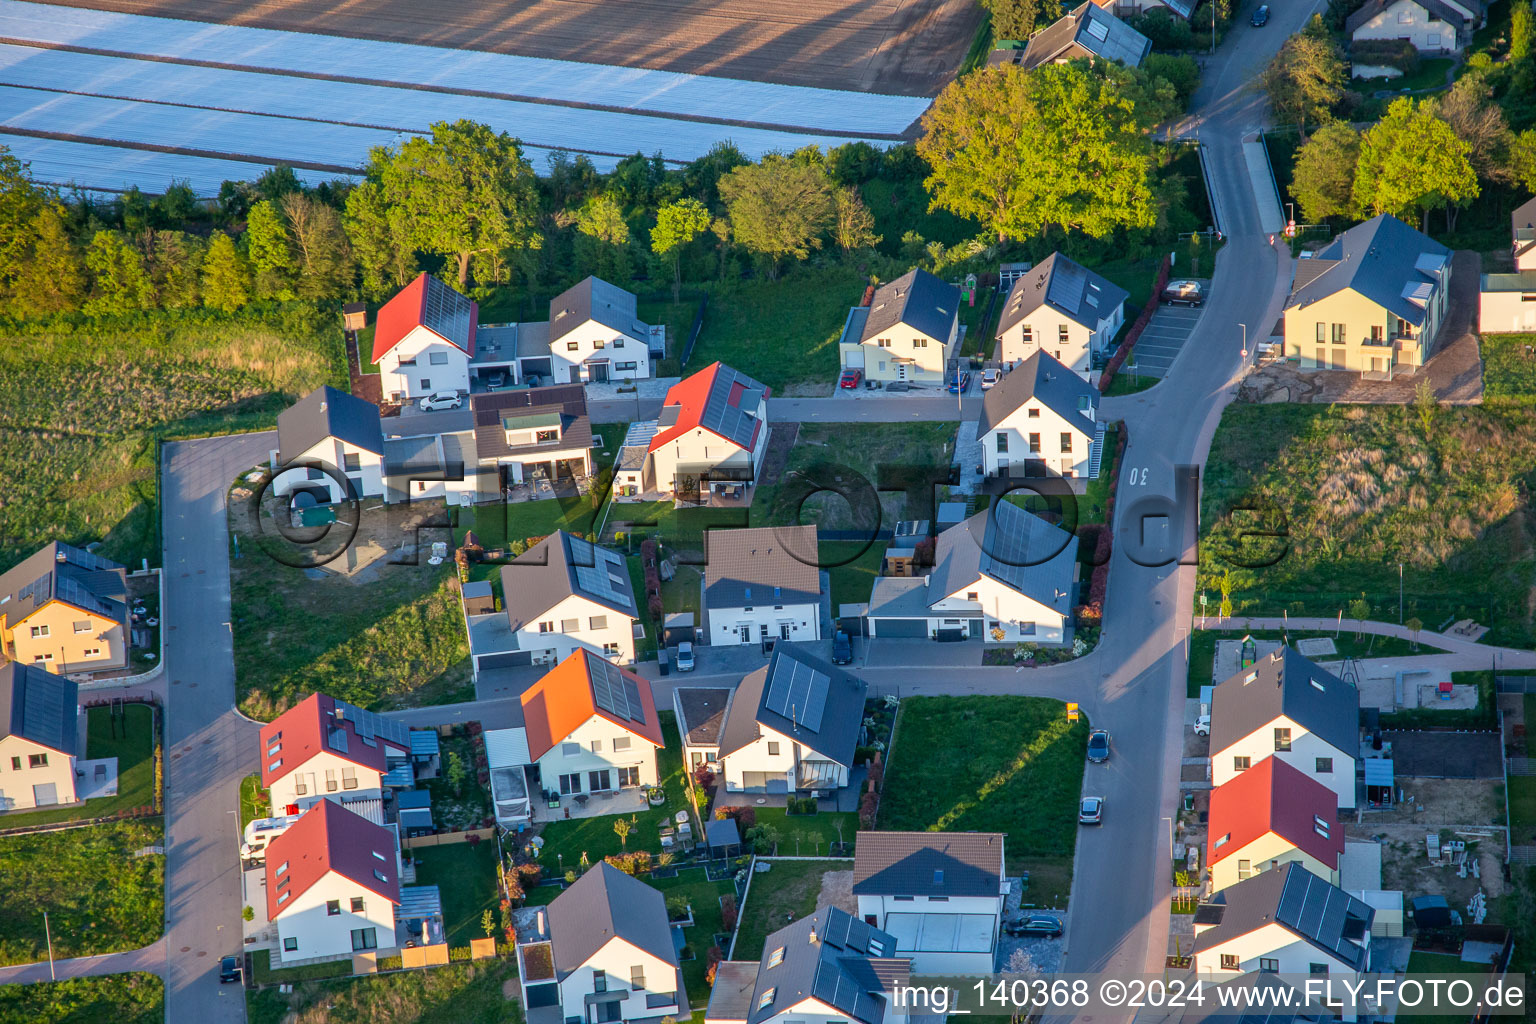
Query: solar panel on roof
[1066,287]
[632,697]
[798,692]
[446,311]
[614,693]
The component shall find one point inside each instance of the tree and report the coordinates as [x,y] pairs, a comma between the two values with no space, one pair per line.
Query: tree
[119,282]
[778,208]
[1021,152]
[385,256]
[622,827]
[1522,159]
[464,191]
[602,237]
[1412,162]
[1323,179]
[854,227]
[1359,610]
[1424,404]
[1520,31]
[226,279]
[49,278]
[20,202]
[1304,80]
[174,260]
[270,251]
[488,922]
[456,773]
[1480,124]
[1018,19]
[324,257]
[678,223]
[1414,625]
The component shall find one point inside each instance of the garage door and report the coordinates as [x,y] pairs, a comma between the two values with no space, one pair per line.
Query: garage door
[754,782]
[917,628]
[512,659]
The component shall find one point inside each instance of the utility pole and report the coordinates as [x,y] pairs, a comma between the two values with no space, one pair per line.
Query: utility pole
[52,975]
[1399,593]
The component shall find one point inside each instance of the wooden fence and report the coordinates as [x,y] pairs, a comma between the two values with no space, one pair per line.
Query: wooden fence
[448,838]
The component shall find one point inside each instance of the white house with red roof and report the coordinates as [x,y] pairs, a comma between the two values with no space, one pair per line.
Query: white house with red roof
[1269,815]
[327,749]
[333,883]
[423,340]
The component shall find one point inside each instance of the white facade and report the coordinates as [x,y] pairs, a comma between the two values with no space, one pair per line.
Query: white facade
[32,775]
[812,1009]
[1308,754]
[1510,311]
[575,623]
[422,363]
[1413,23]
[1035,431]
[700,448]
[364,469]
[903,353]
[1273,948]
[774,757]
[598,756]
[635,979]
[1018,616]
[1071,343]
[963,927]
[595,352]
[321,921]
[325,776]
[764,622]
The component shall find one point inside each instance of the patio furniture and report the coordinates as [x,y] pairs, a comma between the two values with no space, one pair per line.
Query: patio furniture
[681,817]
[581,799]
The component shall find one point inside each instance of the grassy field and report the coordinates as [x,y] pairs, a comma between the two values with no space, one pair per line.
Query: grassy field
[787,892]
[134,748]
[1509,369]
[1128,382]
[254,801]
[465,874]
[85,403]
[704,896]
[462,993]
[1359,490]
[1202,648]
[1522,793]
[100,896]
[989,764]
[806,835]
[119,998]
[852,567]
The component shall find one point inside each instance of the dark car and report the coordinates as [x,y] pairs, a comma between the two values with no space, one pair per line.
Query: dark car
[1098,746]
[1035,925]
[958,384]
[229,969]
[842,648]
[1184,293]
[850,378]
[1261,16]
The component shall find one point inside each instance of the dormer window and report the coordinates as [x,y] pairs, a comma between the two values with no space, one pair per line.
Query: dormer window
[767,999]
[776,957]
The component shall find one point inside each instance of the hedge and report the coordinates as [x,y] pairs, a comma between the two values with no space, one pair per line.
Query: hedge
[1108,376]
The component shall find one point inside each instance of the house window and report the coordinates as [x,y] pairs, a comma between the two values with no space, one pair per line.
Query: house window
[1324,766]
[599,343]
[377,855]
[1229,961]
[767,999]
[16,764]
[1378,334]
[905,899]
[357,904]
[365,938]
[282,868]
[625,367]
[1317,968]
[610,649]
[1028,335]
[348,777]
[83,626]
[546,627]
[37,760]
[598,622]
[352,462]
[618,342]
[1061,333]
[1224,840]
[884,343]
[1269,964]
[1034,443]
[39,631]
[1002,442]
[1241,764]
[597,746]
[570,749]
[773,749]
[38,659]
[637,977]
[598,782]
[91,652]
[919,342]
[300,787]
[437,358]
[1337,333]
[573,346]
[426,385]
[1244,868]
[332,908]
[545,436]
[1320,826]
[1282,739]
[290,944]
[570,625]
[1322,331]
[1033,414]
[621,743]
[629,777]
[1066,443]
[570,784]
[381,876]
[283,898]
[330,780]
[599,980]
[776,957]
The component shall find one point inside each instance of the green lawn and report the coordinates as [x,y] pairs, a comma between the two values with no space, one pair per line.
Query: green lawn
[681,592]
[117,998]
[255,802]
[133,744]
[852,567]
[1095,497]
[644,649]
[99,895]
[980,338]
[465,874]
[1202,647]
[1128,382]
[806,835]
[704,896]
[989,764]
[461,993]
[1522,794]
[1509,368]
[786,892]
[263,974]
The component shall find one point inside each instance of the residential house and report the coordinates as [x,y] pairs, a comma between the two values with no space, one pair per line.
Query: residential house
[1507,302]
[1126,8]
[908,332]
[827,967]
[791,726]
[1285,706]
[1039,420]
[423,340]
[939,894]
[591,727]
[1271,815]
[1004,575]
[1286,921]
[764,583]
[65,610]
[1373,300]
[709,440]
[327,749]
[333,883]
[532,433]
[603,952]
[1522,229]
[39,737]
[1060,307]
[331,444]
[700,714]
[595,335]
[1088,31]
[562,595]
[1432,26]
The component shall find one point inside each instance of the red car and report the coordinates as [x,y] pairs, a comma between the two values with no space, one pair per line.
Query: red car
[850,378]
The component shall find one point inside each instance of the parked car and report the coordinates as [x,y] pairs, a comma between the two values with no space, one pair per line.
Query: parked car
[1203,725]
[958,384]
[850,377]
[441,400]
[1184,293]
[1091,811]
[1261,16]
[989,378]
[1035,925]
[684,659]
[1098,746]
[842,648]
[229,969]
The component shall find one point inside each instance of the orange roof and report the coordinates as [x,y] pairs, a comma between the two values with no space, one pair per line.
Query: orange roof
[1273,796]
[692,397]
[581,686]
[410,309]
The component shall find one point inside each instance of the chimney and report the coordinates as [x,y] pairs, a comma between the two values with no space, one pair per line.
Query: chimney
[813,936]
[541,924]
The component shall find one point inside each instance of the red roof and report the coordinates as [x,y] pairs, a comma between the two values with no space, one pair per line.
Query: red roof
[409,310]
[1274,797]
[331,838]
[692,395]
[305,730]
[567,697]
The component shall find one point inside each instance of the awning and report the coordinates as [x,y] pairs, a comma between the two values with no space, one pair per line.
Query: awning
[403,776]
[814,774]
[419,903]
[1378,771]
[507,748]
[423,743]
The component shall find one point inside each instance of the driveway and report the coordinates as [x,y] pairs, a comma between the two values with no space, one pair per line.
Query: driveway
[1163,339]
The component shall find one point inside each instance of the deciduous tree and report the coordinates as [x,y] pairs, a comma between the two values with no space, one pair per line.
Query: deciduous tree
[855,225]
[385,257]
[1305,79]
[1480,124]
[269,249]
[119,282]
[226,279]
[602,237]
[49,278]
[778,208]
[324,257]
[1323,179]
[1520,31]
[20,201]
[1522,159]
[1411,162]
[678,223]
[174,261]
[1018,19]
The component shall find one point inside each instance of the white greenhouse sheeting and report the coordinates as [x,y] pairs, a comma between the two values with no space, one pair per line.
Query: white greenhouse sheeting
[115,169]
[538,124]
[555,81]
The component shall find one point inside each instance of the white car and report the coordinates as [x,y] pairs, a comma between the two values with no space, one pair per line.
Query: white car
[685,657]
[989,378]
[441,400]
[1203,725]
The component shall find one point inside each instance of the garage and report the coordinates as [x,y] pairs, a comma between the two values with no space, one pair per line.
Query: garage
[910,628]
[509,659]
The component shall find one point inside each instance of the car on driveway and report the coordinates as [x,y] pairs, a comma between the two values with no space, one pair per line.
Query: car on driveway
[1098,746]
[959,383]
[229,969]
[1091,811]
[989,378]
[1203,725]
[1184,293]
[850,378]
[1034,926]
[842,648]
[684,659]
[1261,16]
[441,400]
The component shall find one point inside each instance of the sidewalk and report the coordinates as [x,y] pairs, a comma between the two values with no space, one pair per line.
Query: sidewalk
[1461,653]
[150,958]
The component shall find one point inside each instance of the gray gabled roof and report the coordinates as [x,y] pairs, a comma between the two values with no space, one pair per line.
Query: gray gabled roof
[1046,378]
[1385,260]
[1069,288]
[702,713]
[830,956]
[557,567]
[928,864]
[1312,909]
[63,572]
[916,299]
[1286,683]
[1444,11]
[1089,30]
[39,706]
[801,697]
[594,299]
[1011,545]
[327,412]
[1275,1002]
[602,905]
[767,565]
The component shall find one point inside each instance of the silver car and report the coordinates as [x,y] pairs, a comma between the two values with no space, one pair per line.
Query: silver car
[441,400]
[1091,811]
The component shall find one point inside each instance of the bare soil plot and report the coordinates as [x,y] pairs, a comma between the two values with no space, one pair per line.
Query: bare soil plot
[905,47]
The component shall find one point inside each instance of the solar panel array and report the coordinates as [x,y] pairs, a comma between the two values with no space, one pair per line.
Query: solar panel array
[600,573]
[43,714]
[1066,287]
[613,691]
[38,591]
[1318,910]
[446,311]
[1113,38]
[368,725]
[1010,548]
[735,422]
[798,692]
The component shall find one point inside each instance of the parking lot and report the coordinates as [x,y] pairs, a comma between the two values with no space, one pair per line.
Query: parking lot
[1163,338]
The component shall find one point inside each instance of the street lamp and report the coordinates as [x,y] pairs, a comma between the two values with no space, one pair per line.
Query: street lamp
[1245,340]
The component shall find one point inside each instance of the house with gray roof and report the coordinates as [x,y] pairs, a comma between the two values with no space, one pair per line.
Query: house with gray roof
[908,332]
[1041,419]
[1372,301]
[596,335]
[603,951]
[530,433]
[1431,26]
[764,583]
[1282,921]
[1088,31]
[700,714]
[1507,302]
[39,737]
[828,967]
[1003,575]
[1286,706]
[65,610]
[1062,308]
[939,894]
[791,726]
